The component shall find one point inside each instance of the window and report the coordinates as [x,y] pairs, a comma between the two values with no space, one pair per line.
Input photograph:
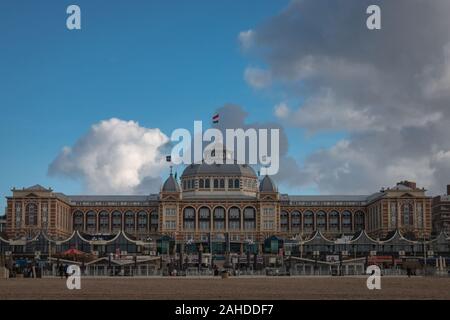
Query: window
[284,221]
[419,215]
[45,214]
[216,183]
[18,213]
[309,221]
[393,215]
[234,219]
[334,221]
[346,221]
[78,221]
[321,221]
[154,221]
[249,218]
[91,222]
[189,218]
[230,183]
[201,184]
[296,221]
[104,222]
[116,221]
[31,214]
[171,225]
[236,184]
[207,184]
[204,218]
[268,224]
[407,211]
[129,222]
[171,212]
[359,220]
[222,184]
[268,212]
[219,218]
[142,221]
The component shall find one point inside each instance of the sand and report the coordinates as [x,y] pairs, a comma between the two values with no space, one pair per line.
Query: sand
[266,288]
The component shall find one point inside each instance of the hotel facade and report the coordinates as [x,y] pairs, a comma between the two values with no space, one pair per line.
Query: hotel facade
[220,203]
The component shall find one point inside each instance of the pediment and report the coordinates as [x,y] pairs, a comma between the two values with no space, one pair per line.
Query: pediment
[407,195]
[31,195]
[170,198]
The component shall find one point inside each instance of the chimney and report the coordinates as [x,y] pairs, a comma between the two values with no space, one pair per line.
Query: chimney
[409,184]
[448,189]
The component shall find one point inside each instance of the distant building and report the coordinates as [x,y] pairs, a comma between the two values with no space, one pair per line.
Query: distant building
[441,213]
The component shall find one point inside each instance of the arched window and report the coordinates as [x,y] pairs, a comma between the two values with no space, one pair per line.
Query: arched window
[204,218]
[78,221]
[31,214]
[230,183]
[296,221]
[91,222]
[284,221]
[189,218]
[236,184]
[249,218]
[321,221]
[116,221]
[207,184]
[142,221]
[334,221]
[222,183]
[234,219]
[219,218]
[216,183]
[104,222]
[407,214]
[359,221]
[308,221]
[346,221]
[201,184]
[129,222]
[154,221]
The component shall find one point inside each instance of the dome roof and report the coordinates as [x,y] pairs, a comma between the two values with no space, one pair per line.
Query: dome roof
[219,170]
[267,185]
[171,185]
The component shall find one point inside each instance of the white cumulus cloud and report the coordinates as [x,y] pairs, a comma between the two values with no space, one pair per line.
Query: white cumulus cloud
[115,156]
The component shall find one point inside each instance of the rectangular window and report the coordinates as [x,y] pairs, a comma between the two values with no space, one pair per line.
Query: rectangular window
[170,225]
[171,212]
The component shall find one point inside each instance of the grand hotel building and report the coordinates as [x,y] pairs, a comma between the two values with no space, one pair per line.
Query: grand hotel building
[219,202]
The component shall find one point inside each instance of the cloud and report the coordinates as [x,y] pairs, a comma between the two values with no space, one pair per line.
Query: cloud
[281,110]
[235,117]
[246,39]
[389,89]
[257,78]
[115,156]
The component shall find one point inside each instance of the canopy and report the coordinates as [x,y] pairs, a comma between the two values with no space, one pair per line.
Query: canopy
[73,252]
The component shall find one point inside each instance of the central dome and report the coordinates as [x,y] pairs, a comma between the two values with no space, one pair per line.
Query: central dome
[219,170]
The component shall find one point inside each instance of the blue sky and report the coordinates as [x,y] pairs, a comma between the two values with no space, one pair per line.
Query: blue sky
[161,63]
